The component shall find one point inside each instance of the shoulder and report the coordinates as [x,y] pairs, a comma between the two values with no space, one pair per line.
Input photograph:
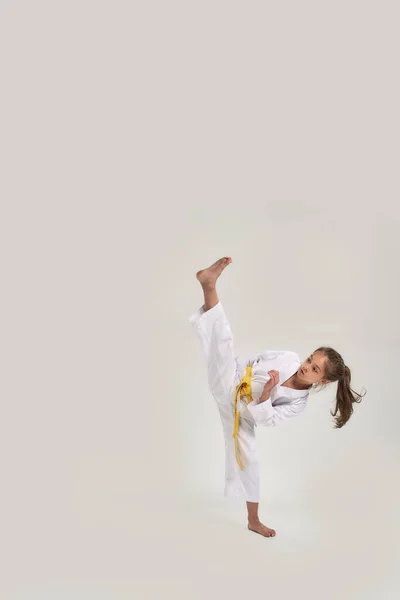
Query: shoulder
[287,353]
[283,356]
[292,356]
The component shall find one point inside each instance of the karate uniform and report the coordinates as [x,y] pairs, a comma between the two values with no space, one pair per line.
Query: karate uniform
[225,373]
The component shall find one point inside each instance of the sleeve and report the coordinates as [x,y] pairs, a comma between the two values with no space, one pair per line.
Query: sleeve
[268,355]
[269,416]
[252,360]
[264,356]
[282,354]
[246,362]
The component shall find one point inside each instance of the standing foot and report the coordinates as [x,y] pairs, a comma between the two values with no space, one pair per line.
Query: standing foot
[258,527]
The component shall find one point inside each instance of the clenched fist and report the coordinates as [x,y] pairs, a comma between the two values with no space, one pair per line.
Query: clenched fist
[274,375]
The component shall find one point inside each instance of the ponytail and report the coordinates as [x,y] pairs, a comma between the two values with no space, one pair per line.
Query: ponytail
[345,397]
[336,370]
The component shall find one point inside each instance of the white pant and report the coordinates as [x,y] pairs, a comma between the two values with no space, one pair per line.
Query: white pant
[224,375]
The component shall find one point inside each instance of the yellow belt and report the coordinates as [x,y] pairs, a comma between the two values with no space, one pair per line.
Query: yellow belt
[242,390]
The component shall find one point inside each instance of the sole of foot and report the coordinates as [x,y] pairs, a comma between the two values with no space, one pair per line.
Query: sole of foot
[208,277]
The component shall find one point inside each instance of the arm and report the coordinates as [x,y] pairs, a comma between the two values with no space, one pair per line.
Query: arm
[269,416]
[249,362]
[264,413]
[252,360]
[267,355]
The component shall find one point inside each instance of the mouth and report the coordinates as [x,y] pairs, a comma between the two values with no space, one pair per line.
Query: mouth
[301,371]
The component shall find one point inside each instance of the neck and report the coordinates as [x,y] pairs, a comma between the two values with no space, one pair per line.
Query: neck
[298,385]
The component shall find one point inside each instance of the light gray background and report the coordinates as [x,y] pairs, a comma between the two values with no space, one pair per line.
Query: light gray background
[141,141]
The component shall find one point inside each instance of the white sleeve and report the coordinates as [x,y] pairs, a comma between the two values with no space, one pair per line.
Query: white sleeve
[274,354]
[269,416]
[246,362]
[252,360]
[267,355]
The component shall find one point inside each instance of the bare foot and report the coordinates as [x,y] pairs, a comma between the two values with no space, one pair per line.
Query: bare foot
[258,527]
[208,277]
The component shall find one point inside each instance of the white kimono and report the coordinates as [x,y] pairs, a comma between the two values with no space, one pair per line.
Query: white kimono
[225,372]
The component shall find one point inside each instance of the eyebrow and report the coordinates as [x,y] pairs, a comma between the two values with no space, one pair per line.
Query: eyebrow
[315,365]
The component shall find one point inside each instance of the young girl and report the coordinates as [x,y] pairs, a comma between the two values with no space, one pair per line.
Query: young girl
[269,389]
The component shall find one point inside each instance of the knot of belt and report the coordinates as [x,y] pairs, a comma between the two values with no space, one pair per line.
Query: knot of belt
[242,390]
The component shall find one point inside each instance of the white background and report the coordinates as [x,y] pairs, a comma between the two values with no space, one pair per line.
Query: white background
[140,142]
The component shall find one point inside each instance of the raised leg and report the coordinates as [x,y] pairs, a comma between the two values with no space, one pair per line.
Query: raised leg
[208,279]
[215,334]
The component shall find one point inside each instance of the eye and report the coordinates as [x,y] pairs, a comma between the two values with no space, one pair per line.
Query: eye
[309,359]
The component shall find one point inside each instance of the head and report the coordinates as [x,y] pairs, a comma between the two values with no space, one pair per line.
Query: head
[325,366]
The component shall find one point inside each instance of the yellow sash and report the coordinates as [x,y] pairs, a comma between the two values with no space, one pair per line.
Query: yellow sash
[242,390]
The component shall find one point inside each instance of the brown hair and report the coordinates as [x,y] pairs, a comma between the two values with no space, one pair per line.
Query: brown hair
[336,370]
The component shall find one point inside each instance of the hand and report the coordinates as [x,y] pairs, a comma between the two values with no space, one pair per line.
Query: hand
[274,375]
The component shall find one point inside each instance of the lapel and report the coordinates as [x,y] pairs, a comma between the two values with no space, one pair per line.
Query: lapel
[286,371]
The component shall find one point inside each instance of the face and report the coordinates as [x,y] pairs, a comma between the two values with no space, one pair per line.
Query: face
[312,369]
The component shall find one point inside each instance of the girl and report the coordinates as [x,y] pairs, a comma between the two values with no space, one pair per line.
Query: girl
[269,389]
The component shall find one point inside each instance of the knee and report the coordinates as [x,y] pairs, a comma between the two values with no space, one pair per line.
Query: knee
[252,463]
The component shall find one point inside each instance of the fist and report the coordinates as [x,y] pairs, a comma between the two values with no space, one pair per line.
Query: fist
[274,375]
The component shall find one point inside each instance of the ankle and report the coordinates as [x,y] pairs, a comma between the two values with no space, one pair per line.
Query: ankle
[209,287]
